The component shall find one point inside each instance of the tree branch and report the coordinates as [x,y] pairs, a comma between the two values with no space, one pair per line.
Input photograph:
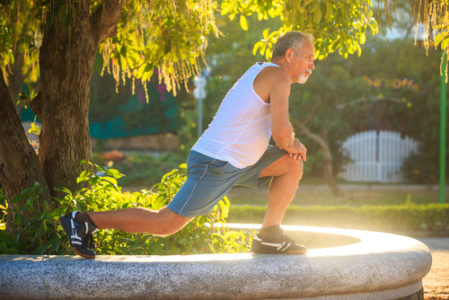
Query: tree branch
[328,169]
[105,18]
[36,105]
[306,131]
[311,114]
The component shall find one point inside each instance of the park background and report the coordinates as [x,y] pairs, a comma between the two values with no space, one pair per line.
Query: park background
[394,86]
[145,130]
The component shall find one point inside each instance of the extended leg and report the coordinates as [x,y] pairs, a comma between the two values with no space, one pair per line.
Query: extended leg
[79,226]
[142,220]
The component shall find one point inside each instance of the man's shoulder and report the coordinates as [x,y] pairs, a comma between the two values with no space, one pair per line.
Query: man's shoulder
[269,79]
[273,74]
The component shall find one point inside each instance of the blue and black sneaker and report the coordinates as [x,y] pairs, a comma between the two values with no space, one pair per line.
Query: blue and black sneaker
[276,244]
[79,235]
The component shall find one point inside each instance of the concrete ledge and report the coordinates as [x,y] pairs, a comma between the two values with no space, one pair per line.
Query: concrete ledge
[371,266]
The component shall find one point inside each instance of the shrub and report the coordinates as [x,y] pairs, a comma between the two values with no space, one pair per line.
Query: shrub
[422,167]
[142,169]
[40,233]
[103,193]
[407,217]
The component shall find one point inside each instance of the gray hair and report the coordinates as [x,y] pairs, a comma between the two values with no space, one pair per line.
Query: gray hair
[290,40]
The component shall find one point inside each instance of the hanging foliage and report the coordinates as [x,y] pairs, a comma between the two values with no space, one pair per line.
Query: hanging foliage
[20,37]
[172,35]
[433,15]
[336,25]
[168,35]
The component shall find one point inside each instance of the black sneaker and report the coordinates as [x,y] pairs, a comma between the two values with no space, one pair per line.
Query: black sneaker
[79,235]
[277,244]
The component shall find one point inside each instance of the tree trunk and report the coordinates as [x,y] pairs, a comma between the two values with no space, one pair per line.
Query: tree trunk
[66,62]
[19,164]
[328,168]
[16,79]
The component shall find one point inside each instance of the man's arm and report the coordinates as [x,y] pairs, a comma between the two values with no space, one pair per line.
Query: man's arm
[281,128]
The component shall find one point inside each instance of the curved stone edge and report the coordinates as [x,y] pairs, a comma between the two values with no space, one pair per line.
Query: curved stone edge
[364,269]
[397,293]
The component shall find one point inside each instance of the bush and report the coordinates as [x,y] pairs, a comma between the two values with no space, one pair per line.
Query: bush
[40,233]
[422,167]
[47,237]
[142,169]
[406,217]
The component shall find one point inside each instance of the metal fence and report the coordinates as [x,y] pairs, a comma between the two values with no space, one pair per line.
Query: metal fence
[376,156]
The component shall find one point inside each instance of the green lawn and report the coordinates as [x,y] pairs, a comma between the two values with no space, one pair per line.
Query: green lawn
[321,195]
[386,208]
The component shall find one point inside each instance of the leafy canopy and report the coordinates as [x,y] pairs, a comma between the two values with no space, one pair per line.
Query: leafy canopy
[337,25]
[168,35]
[20,23]
[172,35]
[434,16]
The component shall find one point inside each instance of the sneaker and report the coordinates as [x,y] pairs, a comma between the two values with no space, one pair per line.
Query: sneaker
[278,244]
[79,235]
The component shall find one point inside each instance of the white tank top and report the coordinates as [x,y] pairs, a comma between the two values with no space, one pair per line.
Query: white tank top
[241,129]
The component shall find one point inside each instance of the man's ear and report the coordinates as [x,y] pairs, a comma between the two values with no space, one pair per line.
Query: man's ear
[289,54]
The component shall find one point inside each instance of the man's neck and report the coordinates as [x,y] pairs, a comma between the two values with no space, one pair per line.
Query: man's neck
[280,62]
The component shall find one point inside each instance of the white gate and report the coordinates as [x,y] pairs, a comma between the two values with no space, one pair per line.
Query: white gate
[376,156]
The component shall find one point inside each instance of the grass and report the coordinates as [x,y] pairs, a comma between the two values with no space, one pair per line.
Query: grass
[320,195]
[386,208]
[310,194]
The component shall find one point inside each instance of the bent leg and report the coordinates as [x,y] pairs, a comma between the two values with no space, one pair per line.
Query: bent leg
[140,220]
[287,173]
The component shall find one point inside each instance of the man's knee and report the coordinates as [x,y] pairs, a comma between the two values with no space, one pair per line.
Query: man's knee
[170,222]
[293,166]
[282,166]
[297,168]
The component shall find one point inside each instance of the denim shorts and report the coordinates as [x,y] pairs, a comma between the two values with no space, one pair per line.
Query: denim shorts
[210,179]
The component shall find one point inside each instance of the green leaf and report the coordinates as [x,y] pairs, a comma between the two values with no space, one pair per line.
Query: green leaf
[111,180]
[444,43]
[114,173]
[362,39]
[84,176]
[438,38]
[57,212]
[100,168]
[243,23]
[35,129]
[64,190]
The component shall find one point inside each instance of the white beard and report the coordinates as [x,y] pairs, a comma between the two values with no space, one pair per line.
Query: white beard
[304,76]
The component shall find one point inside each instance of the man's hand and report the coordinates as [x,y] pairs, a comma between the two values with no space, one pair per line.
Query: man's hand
[297,150]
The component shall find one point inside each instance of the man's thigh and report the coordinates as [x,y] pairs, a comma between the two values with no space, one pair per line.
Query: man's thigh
[208,181]
[282,166]
[256,175]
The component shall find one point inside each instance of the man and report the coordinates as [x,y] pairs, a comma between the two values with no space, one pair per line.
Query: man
[233,150]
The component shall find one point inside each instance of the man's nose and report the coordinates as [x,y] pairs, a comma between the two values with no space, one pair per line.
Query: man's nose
[312,65]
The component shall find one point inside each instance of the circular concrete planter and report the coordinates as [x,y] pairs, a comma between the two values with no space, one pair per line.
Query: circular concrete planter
[341,264]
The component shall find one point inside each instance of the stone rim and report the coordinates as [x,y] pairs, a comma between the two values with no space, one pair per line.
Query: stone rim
[366,268]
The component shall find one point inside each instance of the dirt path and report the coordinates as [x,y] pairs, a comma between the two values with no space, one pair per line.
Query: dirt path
[436,283]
